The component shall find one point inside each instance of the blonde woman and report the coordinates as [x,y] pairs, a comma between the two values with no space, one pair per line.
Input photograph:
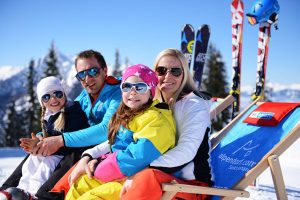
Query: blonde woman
[188,161]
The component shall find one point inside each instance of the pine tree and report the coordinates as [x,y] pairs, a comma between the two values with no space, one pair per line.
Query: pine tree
[215,83]
[2,137]
[117,72]
[52,69]
[12,127]
[33,111]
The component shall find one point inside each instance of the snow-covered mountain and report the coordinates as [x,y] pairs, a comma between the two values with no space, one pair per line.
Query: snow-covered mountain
[8,71]
[13,80]
[276,92]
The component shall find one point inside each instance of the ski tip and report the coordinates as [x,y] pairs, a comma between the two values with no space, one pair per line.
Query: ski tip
[205,27]
[237,6]
[188,26]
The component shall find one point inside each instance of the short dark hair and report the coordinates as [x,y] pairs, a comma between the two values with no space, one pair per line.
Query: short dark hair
[89,54]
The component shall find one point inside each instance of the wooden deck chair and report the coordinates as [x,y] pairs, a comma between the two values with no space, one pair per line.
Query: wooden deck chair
[241,152]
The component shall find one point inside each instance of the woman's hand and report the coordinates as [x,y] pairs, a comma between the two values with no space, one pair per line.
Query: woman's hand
[79,169]
[126,186]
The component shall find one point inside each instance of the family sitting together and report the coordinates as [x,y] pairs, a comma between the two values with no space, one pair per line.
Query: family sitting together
[120,138]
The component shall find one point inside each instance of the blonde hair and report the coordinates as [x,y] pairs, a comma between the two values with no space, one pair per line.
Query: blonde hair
[45,134]
[59,123]
[187,84]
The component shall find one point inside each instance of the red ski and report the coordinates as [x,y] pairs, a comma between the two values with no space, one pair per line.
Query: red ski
[237,16]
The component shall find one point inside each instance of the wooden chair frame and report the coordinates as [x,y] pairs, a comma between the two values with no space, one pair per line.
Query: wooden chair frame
[271,159]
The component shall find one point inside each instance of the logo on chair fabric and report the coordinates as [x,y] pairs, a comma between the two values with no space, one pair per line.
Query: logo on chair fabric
[262,115]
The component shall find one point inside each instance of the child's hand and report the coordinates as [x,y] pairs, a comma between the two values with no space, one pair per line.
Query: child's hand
[90,168]
[78,170]
[29,144]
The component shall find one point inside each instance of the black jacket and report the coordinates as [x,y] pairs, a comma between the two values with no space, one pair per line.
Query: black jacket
[75,119]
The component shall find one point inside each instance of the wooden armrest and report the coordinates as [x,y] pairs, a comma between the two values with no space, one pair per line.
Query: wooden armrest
[171,187]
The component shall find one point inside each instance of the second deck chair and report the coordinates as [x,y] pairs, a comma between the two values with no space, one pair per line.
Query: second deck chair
[241,152]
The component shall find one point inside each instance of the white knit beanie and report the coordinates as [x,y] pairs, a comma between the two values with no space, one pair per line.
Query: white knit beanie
[47,85]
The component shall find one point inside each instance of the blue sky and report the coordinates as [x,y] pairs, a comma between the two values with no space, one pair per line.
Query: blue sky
[140,29]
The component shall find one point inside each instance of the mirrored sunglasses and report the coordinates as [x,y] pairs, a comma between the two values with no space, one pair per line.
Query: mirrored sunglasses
[56,94]
[140,87]
[175,71]
[93,72]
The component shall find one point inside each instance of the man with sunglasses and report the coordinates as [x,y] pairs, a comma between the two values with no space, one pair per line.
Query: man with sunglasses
[99,100]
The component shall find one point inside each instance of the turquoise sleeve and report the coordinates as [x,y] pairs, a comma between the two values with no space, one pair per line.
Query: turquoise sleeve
[93,135]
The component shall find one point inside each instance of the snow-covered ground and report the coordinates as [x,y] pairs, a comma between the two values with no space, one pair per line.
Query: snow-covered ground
[290,164]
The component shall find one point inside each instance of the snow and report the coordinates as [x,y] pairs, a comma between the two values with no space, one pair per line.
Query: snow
[10,159]
[7,166]
[9,71]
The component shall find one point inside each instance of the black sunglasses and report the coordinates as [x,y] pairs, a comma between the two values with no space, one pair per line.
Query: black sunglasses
[93,72]
[140,87]
[175,71]
[56,94]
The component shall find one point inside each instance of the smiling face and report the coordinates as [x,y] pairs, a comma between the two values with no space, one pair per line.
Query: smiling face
[168,83]
[92,84]
[55,104]
[132,99]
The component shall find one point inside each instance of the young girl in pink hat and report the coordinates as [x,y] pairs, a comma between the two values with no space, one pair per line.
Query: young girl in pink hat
[140,131]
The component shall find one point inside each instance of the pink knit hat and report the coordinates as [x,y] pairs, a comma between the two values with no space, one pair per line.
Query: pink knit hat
[144,73]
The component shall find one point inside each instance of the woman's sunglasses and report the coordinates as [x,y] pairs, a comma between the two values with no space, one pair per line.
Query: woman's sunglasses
[140,87]
[56,94]
[93,72]
[175,71]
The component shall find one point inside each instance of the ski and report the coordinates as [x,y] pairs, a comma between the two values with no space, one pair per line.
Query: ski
[187,42]
[200,50]
[262,57]
[237,18]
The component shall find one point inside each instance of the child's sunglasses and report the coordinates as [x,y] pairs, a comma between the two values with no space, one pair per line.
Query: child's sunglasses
[175,71]
[93,72]
[56,94]
[140,87]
